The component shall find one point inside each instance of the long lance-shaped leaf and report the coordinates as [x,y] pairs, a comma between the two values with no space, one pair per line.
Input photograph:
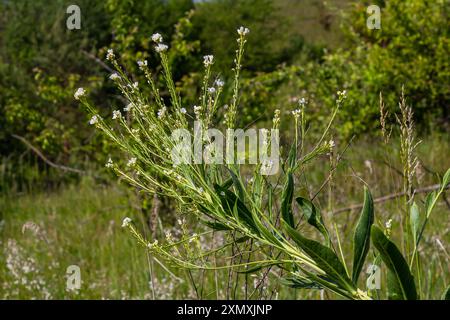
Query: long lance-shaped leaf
[313,216]
[235,207]
[324,257]
[361,238]
[446,294]
[286,203]
[392,257]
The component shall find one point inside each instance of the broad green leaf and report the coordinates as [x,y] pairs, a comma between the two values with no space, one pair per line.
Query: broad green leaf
[414,220]
[394,291]
[324,257]
[312,215]
[446,294]
[286,203]
[361,238]
[228,183]
[392,257]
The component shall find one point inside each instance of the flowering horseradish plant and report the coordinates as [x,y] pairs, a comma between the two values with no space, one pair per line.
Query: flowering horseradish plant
[216,190]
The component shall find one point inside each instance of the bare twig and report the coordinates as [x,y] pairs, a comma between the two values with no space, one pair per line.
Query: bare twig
[389,197]
[44,158]
[98,61]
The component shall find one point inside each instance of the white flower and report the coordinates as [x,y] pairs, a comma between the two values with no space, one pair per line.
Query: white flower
[194,236]
[79,93]
[212,90]
[126,221]
[156,37]
[242,31]
[331,144]
[183,110]
[110,55]
[94,120]
[161,48]
[136,85]
[388,224]
[302,102]
[219,83]
[131,162]
[109,163]
[162,112]
[115,76]
[142,64]
[197,109]
[342,94]
[116,114]
[128,107]
[208,60]
[296,113]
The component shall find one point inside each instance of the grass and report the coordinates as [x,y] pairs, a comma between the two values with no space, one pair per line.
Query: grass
[80,225]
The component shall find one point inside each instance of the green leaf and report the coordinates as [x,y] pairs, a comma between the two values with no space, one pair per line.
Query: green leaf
[312,215]
[228,183]
[215,225]
[298,283]
[392,257]
[446,294]
[429,202]
[414,220]
[237,184]
[394,291]
[361,238]
[235,207]
[292,158]
[258,267]
[286,203]
[324,257]
[446,179]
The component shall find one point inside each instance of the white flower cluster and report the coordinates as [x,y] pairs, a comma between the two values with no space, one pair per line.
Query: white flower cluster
[162,112]
[302,102]
[183,110]
[242,31]
[212,90]
[157,38]
[197,110]
[142,64]
[114,77]
[128,107]
[131,162]
[125,222]
[116,114]
[219,83]
[296,113]
[110,55]
[79,93]
[109,163]
[342,94]
[94,120]
[161,48]
[208,60]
